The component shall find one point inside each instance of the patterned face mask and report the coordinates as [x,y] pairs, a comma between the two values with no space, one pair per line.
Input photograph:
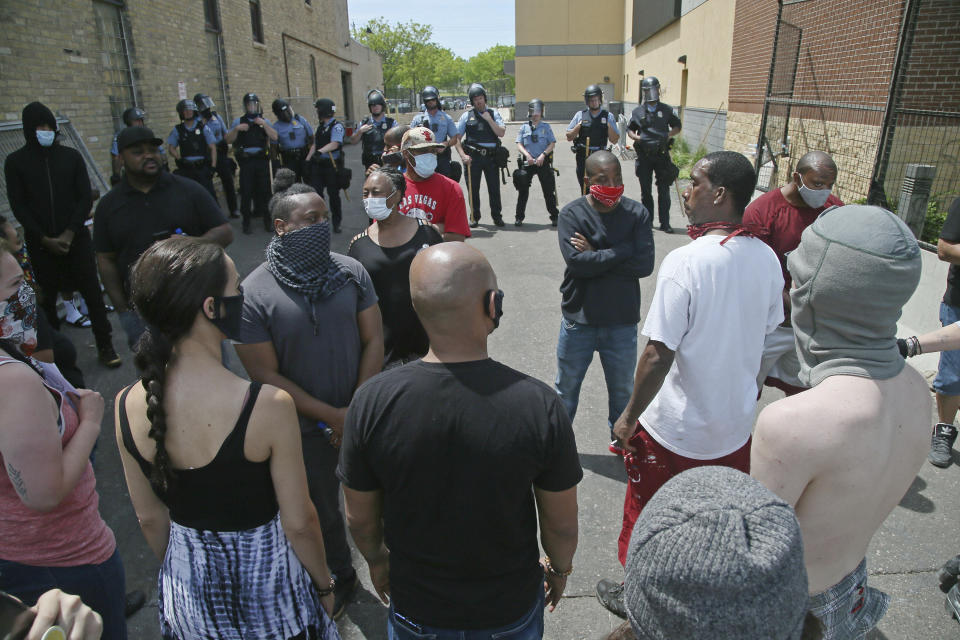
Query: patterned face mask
[18,319]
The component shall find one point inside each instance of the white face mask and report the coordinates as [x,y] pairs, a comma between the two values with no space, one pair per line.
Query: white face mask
[815,198]
[45,138]
[377,208]
[425,164]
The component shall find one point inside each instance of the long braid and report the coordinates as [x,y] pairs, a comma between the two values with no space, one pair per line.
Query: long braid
[154,353]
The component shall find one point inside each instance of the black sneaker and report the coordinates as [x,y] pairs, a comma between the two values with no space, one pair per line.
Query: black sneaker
[343,592]
[234,214]
[953,602]
[666,228]
[553,222]
[610,595]
[108,357]
[499,222]
[336,228]
[474,224]
[135,601]
[941,444]
[949,574]
[518,222]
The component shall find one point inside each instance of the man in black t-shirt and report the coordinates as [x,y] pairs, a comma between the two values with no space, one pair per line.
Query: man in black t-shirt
[438,461]
[947,382]
[147,205]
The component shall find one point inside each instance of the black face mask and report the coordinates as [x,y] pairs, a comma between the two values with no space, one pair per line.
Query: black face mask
[394,157]
[229,321]
[497,305]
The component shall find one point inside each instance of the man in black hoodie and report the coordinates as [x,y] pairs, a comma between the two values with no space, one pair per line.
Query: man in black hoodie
[49,194]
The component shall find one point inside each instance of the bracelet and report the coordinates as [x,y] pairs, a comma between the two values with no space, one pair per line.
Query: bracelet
[327,591]
[554,572]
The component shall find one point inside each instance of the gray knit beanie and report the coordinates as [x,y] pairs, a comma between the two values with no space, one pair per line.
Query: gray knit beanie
[715,554]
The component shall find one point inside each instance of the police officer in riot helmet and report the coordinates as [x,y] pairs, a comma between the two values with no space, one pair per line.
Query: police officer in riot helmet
[591,129]
[193,147]
[444,128]
[480,130]
[652,127]
[326,153]
[294,134]
[536,141]
[225,166]
[372,129]
[132,117]
[250,135]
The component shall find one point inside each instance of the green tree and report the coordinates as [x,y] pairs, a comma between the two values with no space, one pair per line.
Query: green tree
[387,41]
[487,68]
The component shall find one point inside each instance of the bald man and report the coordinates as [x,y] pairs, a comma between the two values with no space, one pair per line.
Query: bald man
[844,452]
[607,243]
[449,462]
[778,217]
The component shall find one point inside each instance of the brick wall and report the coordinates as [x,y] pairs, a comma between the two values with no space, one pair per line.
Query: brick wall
[753,24]
[933,70]
[52,52]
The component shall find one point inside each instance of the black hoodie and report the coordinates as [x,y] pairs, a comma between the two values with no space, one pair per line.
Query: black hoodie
[48,187]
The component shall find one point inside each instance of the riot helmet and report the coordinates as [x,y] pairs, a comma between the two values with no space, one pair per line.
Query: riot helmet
[591,91]
[205,104]
[251,104]
[535,107]
[283,110]
[374,97]
[650,87]
[133,114]
[430,93]
[186,105]
[476,89]
[325,107]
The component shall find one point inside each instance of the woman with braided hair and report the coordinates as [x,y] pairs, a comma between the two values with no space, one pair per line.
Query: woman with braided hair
[213,464]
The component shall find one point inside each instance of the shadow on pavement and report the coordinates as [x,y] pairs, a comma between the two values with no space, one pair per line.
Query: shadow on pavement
[606,465]
[914,501]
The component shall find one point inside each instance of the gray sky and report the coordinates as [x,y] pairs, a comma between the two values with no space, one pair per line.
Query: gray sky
[465,28]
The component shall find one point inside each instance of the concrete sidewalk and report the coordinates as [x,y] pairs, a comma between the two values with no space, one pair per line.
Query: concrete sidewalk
[903,559]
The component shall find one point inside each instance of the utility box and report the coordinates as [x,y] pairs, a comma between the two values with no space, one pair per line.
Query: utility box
[915,195]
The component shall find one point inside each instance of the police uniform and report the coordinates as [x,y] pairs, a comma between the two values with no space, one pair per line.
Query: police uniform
[443,128]
[596,127]
[372,140]
[325,166]
[193,142]
[480,142]
[653,121]
[535,139]
[251,148]
[225,165]
[293,141]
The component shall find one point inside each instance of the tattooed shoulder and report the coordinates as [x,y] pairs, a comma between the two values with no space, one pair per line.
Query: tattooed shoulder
[16,478]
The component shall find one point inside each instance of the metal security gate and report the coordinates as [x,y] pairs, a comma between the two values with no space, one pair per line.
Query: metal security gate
[115,60]
[826,92]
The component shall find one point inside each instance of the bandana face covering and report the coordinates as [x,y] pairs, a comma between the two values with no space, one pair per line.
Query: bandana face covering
[607,196]
[697,230]
[18,319]
[301,260]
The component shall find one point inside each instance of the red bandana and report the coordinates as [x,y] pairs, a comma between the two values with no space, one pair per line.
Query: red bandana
[607,196]
[697,230]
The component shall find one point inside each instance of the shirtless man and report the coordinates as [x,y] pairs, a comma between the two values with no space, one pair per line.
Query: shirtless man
[844,452]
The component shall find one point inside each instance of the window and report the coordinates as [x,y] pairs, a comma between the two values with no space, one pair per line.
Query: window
[211,15]
[256,21]
[313,76]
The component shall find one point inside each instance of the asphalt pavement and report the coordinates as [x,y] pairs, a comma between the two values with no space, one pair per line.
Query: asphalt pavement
[904,556]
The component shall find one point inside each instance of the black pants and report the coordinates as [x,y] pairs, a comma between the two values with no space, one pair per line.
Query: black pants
[200,173]
[293,160]
[486,166]
[547,183]
[64,353]
[226,167]
[255,185]
[443,162]
[581,163]
[320,460]
[646,166]
[325,177]
[76,271]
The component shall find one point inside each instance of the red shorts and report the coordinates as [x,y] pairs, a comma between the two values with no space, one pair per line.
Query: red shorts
[651,467]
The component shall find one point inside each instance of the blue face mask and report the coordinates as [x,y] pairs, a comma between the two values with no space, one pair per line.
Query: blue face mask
[45,138]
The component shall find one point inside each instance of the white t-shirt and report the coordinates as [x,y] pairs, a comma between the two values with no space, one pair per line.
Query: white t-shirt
[713,306]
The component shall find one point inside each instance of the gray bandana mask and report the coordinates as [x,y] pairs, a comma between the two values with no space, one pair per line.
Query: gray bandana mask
[855,268]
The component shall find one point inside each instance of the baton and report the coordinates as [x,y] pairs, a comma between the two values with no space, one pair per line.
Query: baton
[586,154]
[676,185]
[466,169]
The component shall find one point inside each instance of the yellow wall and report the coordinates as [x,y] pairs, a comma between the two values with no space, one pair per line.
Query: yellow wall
[569,22]
[563,78]
[705,36]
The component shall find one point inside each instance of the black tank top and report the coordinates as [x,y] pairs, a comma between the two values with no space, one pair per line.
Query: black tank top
[230,493]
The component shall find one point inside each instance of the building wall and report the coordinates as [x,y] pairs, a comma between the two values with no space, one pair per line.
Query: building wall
[52,52]
[563,46]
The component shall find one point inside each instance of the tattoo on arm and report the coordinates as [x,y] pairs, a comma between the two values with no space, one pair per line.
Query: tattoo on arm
[17,480]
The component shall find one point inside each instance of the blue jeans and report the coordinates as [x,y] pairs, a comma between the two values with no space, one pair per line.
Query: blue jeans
[529,627]
[947,382]
[617,345]
[102,587]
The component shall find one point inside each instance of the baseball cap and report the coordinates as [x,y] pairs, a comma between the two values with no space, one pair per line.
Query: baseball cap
[133,135]
[420,138]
